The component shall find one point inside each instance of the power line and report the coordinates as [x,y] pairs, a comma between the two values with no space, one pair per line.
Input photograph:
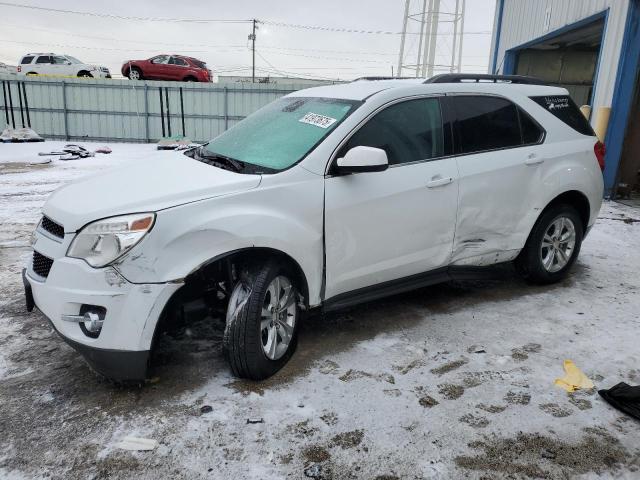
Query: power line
[217,20]
[115,39]
[355,30]
[123,17]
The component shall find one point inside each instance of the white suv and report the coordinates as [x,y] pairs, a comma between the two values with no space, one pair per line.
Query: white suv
[59,65]
[325,198]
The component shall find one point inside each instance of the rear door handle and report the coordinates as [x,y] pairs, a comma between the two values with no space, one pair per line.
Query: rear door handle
[438,182]
[533,159]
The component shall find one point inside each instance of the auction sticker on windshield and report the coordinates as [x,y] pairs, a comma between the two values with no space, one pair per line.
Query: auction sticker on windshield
[318,120]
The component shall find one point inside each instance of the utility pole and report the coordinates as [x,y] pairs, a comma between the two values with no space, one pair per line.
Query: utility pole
[252,37]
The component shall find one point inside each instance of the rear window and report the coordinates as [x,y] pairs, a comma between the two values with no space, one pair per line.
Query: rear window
[199,64]
[26,60]
[565,109]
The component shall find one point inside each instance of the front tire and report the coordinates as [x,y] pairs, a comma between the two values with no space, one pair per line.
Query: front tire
[553,245]
[262,322]
[135,74]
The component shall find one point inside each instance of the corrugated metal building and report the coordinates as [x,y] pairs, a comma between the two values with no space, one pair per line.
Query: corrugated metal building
[592,48]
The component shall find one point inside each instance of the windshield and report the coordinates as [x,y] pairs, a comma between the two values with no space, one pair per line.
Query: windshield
[282,133]
[73,59]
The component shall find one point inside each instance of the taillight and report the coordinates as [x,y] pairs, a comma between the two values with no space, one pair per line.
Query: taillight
[19,68]
[600,150]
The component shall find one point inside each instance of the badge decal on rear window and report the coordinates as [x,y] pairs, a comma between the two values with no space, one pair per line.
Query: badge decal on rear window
[557,103]
[318,120]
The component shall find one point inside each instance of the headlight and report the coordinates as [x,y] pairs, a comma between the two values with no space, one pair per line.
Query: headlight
[104,241]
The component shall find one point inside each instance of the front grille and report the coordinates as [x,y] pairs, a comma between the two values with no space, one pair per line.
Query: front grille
[41,264]
[52,227]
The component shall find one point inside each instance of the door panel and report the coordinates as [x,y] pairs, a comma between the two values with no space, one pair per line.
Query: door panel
[388,225]
[500,167]
[157,66]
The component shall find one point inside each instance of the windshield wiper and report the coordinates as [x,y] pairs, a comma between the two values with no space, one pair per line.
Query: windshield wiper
[221,160]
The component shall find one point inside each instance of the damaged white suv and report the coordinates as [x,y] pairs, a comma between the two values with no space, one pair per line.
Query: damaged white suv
[325,198]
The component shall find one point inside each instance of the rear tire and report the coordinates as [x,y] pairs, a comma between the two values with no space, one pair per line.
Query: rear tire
[263,316]
[553,245]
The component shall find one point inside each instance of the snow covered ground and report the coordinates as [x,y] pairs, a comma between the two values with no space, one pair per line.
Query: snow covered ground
[451,381]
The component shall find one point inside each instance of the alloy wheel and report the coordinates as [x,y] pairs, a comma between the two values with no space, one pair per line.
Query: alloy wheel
[558,244]
[278,317]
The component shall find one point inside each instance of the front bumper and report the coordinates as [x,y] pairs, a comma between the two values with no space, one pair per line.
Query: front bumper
[131,311]
[119,365]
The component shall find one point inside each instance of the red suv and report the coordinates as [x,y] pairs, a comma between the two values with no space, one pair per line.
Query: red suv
[167,67]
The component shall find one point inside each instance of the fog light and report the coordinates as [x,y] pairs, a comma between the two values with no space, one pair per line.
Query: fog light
[90,319]
[92,322]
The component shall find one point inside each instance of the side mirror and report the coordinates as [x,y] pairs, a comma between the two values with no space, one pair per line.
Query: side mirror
[363,159]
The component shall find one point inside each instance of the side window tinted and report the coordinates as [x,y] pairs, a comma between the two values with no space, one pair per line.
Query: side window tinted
[407,131]
[486,123]
[565,109]
[531,131]
[177,61]
[26,60]
[44,59]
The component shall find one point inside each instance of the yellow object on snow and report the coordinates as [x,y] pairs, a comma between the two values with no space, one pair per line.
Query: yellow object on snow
[573,379]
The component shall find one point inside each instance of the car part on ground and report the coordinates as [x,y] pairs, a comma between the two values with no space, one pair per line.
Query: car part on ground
[19,135]
[624,397]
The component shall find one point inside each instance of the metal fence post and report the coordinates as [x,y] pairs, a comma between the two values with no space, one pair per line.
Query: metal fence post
[146,113]
[64,109]
[226,109]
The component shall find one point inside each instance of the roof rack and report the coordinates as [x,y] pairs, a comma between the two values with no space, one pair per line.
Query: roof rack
[373,79]
[483,78]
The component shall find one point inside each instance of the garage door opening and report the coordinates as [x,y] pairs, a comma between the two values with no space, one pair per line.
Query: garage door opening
[568,60]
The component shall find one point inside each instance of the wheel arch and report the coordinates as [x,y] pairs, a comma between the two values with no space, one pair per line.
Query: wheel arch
[221,263]
[253,254]
[576,199]
[84,73]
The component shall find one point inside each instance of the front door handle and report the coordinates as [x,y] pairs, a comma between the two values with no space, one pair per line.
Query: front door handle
[438,182]
[533,159]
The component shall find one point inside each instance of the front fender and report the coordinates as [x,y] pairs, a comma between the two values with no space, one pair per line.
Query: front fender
[186,237]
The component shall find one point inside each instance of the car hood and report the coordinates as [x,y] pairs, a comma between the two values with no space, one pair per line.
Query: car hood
[156,183]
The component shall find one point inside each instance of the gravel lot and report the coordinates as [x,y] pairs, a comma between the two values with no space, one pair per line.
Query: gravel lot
[451,381]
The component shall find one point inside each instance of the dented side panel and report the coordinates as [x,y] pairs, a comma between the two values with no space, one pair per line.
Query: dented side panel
[501,196]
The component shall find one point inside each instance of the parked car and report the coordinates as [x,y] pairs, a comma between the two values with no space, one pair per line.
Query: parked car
[7,69]
[59,65]
[167,67]
[325,198]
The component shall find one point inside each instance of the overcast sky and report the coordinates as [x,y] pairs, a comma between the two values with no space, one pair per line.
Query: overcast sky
[224,46]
